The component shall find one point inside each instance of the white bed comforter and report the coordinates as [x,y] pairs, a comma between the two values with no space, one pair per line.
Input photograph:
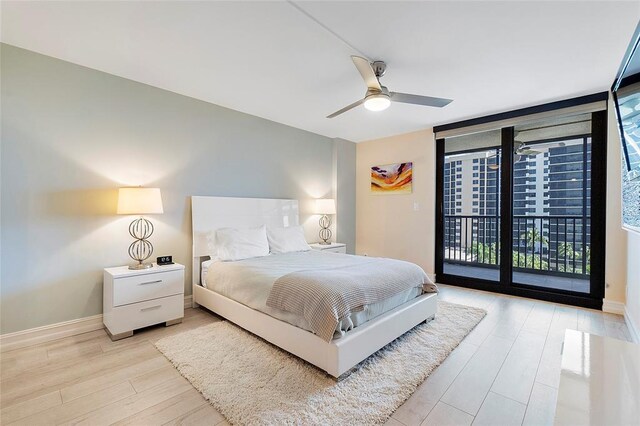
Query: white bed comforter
[250,281]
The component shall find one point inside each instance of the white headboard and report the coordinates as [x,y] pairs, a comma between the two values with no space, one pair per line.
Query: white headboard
[210,213]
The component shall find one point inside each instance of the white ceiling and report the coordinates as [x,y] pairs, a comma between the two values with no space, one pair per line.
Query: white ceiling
[270,60]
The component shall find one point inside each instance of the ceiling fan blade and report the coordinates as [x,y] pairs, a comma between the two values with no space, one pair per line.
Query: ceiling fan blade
[527,151]
[419,100]
[367,73]
[347,108]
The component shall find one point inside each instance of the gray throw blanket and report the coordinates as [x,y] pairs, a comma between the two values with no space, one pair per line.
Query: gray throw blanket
[324,297]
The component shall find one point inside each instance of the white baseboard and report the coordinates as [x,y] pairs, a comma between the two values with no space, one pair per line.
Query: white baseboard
[47,333]
[621,309]
[631,326]
[612,307]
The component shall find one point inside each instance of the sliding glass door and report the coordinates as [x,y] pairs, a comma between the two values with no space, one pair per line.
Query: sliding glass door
[472,206]
[518,209]
[551,212]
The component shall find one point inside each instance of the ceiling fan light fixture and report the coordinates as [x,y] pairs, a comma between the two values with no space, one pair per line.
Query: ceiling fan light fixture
[377,102]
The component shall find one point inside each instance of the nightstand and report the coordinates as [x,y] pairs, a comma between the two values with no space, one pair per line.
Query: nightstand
[330,248]
[134,299]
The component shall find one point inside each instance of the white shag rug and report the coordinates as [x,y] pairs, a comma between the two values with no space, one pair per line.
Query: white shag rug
[252,382]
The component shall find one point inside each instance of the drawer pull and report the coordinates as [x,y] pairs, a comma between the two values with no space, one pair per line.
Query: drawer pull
[151,282]
[150,308]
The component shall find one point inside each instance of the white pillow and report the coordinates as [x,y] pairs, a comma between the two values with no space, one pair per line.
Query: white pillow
[286,240]
[238,244]
[211,245]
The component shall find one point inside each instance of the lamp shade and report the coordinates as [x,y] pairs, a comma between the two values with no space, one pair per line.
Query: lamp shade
[139,201]
[325,206]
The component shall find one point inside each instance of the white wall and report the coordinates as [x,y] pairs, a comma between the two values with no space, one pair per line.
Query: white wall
[71,136]
[616,250]
[623,247]
[633,283]
[388,225]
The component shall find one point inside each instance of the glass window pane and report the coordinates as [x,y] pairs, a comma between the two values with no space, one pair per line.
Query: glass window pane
[551,203]
[472,209]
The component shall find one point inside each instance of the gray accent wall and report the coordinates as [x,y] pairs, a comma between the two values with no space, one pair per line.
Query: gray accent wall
[345,183]
[72,135]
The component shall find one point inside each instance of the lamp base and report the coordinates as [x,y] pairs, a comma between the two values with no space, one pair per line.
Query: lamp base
[325,232]
[141,266]
[141,249]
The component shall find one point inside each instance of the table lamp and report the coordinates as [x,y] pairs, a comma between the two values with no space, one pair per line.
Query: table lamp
[325,207]
[140,201]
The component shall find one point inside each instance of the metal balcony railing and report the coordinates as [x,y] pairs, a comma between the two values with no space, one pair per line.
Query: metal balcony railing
[555,245]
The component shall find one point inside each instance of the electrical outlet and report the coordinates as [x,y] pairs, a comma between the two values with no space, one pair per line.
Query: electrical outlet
[416,206]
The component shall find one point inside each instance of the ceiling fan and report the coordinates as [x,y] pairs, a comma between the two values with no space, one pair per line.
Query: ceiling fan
[378,97]
[521,150]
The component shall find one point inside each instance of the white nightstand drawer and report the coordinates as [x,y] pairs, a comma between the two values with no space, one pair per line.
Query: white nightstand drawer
[139,288]
[342,249]
[143,314]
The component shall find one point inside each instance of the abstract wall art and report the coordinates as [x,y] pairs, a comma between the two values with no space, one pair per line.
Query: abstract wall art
[392,178]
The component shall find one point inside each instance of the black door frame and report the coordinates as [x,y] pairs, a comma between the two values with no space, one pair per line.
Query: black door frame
[598,210]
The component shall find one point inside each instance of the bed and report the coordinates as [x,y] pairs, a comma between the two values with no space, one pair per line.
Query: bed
[222,288]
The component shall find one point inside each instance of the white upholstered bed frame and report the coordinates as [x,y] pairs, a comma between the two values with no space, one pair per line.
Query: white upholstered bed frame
[335,357]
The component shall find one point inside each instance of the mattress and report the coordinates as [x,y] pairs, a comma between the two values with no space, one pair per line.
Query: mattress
[249,282]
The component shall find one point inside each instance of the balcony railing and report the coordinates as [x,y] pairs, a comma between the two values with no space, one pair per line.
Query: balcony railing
[556,245]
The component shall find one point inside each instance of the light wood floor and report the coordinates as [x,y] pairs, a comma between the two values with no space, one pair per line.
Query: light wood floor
[505,372]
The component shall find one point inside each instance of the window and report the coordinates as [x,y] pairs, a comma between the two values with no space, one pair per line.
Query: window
[550,190]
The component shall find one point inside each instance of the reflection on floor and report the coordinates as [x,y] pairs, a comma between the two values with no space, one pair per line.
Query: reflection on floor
[540,280]
[590,391]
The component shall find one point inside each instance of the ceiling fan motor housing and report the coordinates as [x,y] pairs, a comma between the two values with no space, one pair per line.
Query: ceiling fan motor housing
[374,91]
[379,67]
